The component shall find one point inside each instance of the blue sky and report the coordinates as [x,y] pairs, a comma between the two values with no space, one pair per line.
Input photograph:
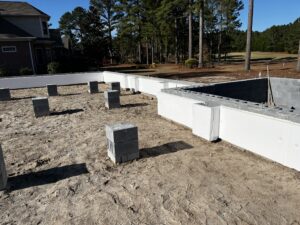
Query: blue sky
[266,12]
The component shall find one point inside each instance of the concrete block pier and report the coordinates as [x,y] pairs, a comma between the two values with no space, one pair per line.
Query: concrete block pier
[112,99]
[115,86]
[52,90]
[93,87]
[41,106]
[122,142]
[4,94]
[3,174]
[206,120]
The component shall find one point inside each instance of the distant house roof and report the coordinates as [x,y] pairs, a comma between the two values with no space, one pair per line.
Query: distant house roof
[15,8]
[10,31]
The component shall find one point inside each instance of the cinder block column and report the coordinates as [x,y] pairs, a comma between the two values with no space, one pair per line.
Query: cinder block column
[122,142]
[115,86]
[3,174]
[52,90]
[206,120]
[4,94]
[93,87]
[41,106]
[112,99]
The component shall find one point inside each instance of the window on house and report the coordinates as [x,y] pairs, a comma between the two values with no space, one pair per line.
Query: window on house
[45,28]
[9,49]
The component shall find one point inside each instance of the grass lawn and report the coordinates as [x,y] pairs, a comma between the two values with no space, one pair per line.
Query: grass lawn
[239,56]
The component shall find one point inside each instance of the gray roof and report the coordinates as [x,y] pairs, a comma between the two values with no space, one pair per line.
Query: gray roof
[9,30]
[15,8]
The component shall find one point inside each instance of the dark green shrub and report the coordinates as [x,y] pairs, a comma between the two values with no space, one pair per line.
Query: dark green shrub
[25,71]
[3,72]
[53,68]
[191,63]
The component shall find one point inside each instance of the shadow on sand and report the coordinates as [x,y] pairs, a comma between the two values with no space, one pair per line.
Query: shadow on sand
[134,105]
[46,176]
[164,149]
[66,112]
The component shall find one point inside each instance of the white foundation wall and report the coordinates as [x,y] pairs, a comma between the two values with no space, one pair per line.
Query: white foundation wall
[144,84]
[147,85]
[176,108]
[42,81]
[270,137]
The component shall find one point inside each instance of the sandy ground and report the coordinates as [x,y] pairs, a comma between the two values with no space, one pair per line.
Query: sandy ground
[59,172]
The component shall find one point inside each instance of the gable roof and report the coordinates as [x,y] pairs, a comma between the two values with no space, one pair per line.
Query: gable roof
[10,31]
[15,8]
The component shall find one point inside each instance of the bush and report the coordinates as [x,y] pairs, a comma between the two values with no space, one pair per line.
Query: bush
[25,71]
[3,72]
[53,68]
[191,63]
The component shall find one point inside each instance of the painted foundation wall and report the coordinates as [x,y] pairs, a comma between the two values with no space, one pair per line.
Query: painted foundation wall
[267,136]
[144,84]
[286,92]
[177,109]
[42,81]
[270,137]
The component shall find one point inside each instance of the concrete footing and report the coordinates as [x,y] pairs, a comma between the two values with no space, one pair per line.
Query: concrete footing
[52,90]
[4,94]
[3,174]
[41,106]
[112,99]
[93,87]
[115,86]
[122,142]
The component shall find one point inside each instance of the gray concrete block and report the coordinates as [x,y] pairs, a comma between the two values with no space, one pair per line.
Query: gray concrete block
[121,132]
[52,90]
[41,106]
[3,174]
[110,105]
[121,148]
[4,94]
[112,99]
[115,86]
[122,142]
[93,87]
[111,94]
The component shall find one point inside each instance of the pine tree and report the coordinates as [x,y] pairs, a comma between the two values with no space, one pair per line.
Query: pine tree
[109,17]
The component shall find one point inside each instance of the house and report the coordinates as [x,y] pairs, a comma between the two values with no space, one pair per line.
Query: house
[25,39]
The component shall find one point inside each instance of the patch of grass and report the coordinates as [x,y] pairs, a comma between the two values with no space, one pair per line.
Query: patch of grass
[239,56]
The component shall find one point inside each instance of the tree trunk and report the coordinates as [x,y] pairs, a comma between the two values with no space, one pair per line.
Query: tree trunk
[200,63]
[139,52]
[147,51]
[190,30]
[298,65]
[249,36]
[220,34]
[220,43]
[176,42]
[152,52]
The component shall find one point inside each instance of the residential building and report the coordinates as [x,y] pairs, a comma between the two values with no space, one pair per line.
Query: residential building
[25,39]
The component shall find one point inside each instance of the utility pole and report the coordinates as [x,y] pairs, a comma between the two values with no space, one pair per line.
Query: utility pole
[249,36]
[298,65]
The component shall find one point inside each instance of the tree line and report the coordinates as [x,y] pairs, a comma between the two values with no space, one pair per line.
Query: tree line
[199,32]
[147,31]
[283,38]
